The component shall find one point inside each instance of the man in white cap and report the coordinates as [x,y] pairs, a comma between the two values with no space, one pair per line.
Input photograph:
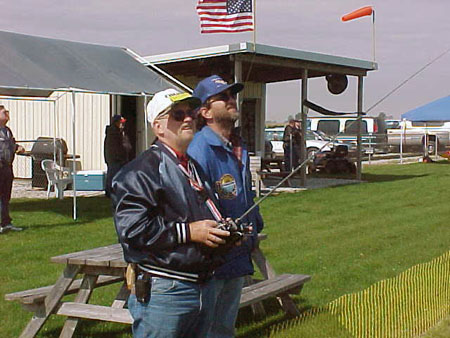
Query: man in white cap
[165,220]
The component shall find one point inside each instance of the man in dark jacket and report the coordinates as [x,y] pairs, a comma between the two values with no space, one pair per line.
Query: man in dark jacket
[8,149]
[117,149]
[291,144]
[223,156]
[165,220]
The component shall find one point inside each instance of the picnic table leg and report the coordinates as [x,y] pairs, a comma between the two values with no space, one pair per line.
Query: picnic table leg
[51,301]
[83,296]
[257,308]
[122,297]
[285,301]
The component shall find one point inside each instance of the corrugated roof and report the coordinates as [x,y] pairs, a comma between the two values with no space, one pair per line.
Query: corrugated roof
[36,66]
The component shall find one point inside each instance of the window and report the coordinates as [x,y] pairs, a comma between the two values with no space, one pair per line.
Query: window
[351,127]
[330,127]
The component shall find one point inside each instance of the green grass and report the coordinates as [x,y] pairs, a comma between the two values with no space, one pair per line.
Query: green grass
[346,238]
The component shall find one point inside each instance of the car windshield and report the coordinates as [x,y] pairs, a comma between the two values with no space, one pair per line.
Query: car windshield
[274,135]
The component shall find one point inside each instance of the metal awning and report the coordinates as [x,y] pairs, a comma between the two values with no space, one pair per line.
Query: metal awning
[262,63]
[36,66]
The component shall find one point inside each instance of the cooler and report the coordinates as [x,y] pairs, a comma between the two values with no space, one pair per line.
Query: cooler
[90,180]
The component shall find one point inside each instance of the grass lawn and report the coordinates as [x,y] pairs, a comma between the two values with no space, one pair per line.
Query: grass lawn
[347,238]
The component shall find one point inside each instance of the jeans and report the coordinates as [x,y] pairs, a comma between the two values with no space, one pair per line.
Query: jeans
[175,309]
[225,296]
[6,179]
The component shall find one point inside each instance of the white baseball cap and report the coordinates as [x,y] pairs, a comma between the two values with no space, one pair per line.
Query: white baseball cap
[167,98]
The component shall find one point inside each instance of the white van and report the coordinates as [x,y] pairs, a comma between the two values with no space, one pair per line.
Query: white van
[373,135]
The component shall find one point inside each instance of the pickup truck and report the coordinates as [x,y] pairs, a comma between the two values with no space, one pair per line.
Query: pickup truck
[414,135]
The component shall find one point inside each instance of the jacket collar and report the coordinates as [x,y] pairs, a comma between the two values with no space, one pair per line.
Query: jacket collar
[211,137]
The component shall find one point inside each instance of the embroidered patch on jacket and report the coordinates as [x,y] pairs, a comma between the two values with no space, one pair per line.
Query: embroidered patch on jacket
[226,187]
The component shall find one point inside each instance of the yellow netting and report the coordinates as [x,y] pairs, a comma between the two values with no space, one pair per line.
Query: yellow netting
[404,306]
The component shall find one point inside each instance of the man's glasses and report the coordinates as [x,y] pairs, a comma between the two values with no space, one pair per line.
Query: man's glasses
[225,97]
[179,115]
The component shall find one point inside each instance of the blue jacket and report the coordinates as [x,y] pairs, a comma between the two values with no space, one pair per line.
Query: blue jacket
[232,184]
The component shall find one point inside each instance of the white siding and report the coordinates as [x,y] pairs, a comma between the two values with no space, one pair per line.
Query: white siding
[31,119]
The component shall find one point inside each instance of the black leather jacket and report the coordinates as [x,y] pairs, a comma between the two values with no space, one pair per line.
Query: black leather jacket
[153,204]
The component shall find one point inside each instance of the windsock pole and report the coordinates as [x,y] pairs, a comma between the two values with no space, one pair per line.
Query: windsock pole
[373,35]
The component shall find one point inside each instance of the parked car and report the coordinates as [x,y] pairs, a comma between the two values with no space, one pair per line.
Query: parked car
[314,141]
[346,128]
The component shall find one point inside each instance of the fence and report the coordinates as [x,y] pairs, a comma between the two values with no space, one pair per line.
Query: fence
[405,306]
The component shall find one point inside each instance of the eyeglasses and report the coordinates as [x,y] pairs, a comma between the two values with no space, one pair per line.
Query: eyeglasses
[179,115]
[225,97]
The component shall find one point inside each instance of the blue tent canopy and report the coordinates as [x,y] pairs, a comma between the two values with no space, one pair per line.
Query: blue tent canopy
[438,110]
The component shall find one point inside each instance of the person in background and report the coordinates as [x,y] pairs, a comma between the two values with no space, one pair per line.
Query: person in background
[117,149]
[290,155]
[296,141]
[167,226]
[223,156]
[8,149]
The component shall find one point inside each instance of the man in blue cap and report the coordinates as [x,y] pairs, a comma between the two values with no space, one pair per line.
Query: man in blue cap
[223,157]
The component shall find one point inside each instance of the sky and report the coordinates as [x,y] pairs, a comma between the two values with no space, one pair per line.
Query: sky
[409,35]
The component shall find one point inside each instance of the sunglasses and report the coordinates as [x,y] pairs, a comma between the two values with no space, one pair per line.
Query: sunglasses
[179,115]
[225,97]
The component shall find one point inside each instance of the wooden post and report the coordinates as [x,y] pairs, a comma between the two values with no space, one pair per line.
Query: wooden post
[304,110]
[359,123]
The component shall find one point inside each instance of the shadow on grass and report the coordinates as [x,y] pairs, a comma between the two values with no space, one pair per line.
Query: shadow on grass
[369,178]
[88,209]
[374,178]
[254,326]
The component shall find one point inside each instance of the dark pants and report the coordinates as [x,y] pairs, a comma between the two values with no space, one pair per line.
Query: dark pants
[287,158]
[6,179]
[113,169]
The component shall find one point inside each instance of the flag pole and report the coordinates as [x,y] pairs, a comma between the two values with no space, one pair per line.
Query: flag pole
[254,25]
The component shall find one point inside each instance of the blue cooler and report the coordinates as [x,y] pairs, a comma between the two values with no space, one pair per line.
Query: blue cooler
[90,180]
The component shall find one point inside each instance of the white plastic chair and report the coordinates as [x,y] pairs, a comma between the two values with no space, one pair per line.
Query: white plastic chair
[59,177]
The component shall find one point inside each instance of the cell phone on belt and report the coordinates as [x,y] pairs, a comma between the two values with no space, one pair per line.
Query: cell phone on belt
[143,287]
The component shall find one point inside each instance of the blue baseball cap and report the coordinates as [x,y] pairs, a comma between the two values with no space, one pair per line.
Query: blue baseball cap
[214,85]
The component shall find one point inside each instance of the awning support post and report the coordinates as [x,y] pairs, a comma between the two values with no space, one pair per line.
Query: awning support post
[359,124]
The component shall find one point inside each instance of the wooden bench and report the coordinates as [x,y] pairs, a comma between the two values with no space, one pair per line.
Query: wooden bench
[255,293]
[34,298]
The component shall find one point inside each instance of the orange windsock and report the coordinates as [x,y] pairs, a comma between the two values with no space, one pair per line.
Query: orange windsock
[363,11]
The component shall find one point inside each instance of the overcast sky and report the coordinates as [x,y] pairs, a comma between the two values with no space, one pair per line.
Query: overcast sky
[409,34]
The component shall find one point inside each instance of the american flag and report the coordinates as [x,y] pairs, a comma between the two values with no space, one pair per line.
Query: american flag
[225,16]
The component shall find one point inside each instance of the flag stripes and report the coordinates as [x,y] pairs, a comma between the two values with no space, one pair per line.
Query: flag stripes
[225,16]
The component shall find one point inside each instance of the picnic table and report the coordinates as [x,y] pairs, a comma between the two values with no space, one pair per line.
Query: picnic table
[105,265]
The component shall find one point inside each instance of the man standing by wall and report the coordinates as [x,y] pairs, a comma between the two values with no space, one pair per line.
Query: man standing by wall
[165,223]
[117,149]
[8,149]
[224,159]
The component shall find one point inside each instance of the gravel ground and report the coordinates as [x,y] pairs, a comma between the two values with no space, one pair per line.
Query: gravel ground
[22,189]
